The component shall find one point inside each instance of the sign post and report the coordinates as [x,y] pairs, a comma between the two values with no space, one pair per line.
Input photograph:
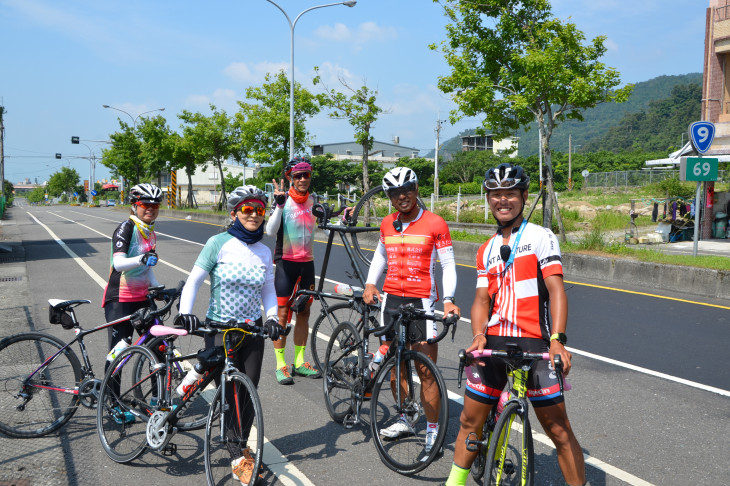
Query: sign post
[701,135]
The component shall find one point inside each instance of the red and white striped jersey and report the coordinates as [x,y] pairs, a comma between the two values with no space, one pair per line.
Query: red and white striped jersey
[521,300]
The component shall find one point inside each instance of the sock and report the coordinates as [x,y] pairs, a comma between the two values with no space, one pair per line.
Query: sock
[457,476]
[299,355]
[280,361]
[432,426]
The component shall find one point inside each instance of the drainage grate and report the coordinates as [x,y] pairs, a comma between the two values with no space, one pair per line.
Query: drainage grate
[10,279]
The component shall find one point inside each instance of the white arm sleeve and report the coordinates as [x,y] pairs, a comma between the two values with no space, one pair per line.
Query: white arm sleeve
[378,264]
[448,267]
[268,293]
[122,263]
[187,298]
[272,226]
[153,279]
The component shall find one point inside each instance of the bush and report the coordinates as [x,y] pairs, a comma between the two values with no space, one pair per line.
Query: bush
[466,188]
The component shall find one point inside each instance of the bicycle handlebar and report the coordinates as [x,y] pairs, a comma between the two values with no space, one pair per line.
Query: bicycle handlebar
[409,312]
[143,316]
[212,327]
[323,212]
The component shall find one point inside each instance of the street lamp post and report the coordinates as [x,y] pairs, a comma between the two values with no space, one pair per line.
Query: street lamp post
[134,124]
[92,164]
[350,3]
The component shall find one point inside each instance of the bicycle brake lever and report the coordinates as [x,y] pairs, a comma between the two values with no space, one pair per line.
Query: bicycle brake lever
[453,330]
[462,361]
[558,364]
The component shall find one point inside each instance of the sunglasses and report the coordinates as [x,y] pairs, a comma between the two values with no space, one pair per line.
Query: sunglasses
[505,184]
[302,175]
[406,188]
[146,205]
[251,209]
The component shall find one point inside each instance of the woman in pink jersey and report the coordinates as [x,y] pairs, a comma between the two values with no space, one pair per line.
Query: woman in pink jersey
[519,298]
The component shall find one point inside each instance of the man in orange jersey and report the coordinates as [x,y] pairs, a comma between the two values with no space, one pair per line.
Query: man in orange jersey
[520,298]
[411,240]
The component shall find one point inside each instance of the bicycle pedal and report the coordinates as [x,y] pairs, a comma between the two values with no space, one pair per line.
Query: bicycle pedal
[474,445]
[349,421]
[169,450]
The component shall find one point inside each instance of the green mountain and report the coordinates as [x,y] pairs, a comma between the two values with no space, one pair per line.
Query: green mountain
[594,132]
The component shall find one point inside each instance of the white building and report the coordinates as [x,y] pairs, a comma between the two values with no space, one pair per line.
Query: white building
[206,181]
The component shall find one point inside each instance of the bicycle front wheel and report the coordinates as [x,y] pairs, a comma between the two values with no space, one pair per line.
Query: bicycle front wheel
[124,407]
[343,375]
[196,413]
[234,440]
[399,410]
[34,397]
[325,325]
[510,460]
[370,210]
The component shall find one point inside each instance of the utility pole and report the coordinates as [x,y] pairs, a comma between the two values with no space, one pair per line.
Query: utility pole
[570,162]
[2,160]
[436,159]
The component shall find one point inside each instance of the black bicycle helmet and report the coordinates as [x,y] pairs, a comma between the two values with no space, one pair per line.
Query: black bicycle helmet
[399,177]
[506,176]
[145,192]
[305,166]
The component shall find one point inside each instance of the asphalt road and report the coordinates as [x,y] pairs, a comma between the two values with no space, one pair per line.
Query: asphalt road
[641,406]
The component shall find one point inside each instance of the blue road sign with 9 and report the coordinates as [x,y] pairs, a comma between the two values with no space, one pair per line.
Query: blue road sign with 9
[701,134]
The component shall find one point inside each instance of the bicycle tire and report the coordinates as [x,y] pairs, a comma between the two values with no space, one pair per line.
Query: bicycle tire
[218,454]
[47,410]
[368,213]
[123,439]
[406,455]
[508,468]
[328,322]
[480,461]
[196,413]
[342,376]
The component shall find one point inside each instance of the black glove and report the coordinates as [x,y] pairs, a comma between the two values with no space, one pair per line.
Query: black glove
[140,319]
[273,328]
[149,259]
[189,322]
[280,199]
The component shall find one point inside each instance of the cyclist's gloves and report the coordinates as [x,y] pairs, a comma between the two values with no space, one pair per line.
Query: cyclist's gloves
[140,319]
[189,322]
[149,259]
[280,199]
[273,328]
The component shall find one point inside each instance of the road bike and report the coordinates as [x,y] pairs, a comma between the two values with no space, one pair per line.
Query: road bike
[140,412]
[42,380]
[350,308]
[505,449]
[370,210]
[348,380]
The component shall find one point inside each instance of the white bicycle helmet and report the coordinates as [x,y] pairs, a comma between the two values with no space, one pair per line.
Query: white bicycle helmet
[399,177]
[243,193]
[145,192]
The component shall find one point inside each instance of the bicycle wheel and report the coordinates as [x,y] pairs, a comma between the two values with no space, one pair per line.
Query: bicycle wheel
[511,457]
[33,406]
[124,403]
[242,436]
[399,426]
[370,211]
[326,324]
[196,413]
[477,467]
[342,376]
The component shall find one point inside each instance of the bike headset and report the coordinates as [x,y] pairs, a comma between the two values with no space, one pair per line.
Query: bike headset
[397,178]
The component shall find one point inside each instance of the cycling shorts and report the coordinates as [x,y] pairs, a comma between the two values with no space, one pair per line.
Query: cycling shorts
[485,383]
[286,276]
[418,330]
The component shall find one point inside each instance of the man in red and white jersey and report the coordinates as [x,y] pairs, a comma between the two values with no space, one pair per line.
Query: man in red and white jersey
[520,298]
[411,241]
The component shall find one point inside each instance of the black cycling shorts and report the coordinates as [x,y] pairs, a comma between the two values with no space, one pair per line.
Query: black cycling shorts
[485,383]
[286,276]
[417,331]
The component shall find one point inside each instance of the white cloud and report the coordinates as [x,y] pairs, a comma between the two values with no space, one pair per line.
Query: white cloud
[365,33]
[222,98]
[611,46]
[253,73]
[338,33]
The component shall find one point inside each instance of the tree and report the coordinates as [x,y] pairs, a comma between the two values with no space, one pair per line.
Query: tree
[360,110]
[514,63]
[64,180]
[264,123]
[157,146]
[123,157]
[214,138]
[183,157]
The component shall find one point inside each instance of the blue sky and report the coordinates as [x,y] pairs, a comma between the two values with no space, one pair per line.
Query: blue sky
[61,60]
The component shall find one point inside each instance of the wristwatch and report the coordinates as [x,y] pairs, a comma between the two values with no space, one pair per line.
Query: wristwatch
[449,299]
[560,336]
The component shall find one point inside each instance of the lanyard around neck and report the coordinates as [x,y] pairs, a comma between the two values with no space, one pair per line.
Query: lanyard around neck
[513,249]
